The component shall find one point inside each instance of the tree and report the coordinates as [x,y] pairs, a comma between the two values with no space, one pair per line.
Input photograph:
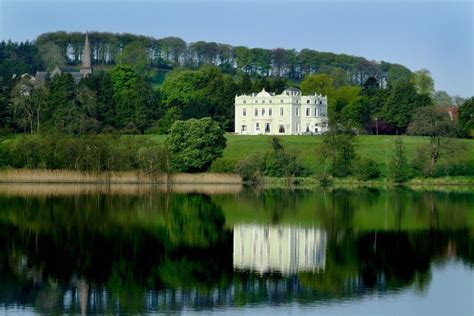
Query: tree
[466,117]
[51,55]
[442,98]
[424,82]
[23,105]
[317,83]
[134,99]
[398,167]
[134,54]
[62,92]
[338,146]
[356,114]
[401,103]
[428,121]
[281,163]
[194,144]
[201,93]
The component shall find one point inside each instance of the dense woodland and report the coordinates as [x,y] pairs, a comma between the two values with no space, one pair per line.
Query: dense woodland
[143,85]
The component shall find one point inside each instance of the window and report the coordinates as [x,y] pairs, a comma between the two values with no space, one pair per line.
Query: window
[281,111]
[320,102]
[243,128]
[267,127]
[307,101]
[315,129]
[296,101]
[281,129]
[308,111]
[297,127]
[297,111]
[244,101]
[270,101]
[263,101]
[307,127]
[244,112]
[256,112]
[281,101]
[256,101]
[263,111]
[270,112]
[257,127]
[316,112]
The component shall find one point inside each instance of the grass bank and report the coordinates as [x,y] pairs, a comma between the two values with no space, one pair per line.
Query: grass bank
[379,148]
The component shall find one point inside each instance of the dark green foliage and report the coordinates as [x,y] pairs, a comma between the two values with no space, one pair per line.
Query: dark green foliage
[338,147]
[136,104]
[18,58]
[194,144]
[366,169]
[402,103]
[281,163]
[398,169]
[94,153]
[251,169]
[357,114]
[206,92]
[466,117]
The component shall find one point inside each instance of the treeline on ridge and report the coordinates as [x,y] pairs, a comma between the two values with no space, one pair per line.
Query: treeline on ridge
[106,49]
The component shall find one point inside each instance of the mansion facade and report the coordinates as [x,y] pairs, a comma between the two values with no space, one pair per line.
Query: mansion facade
[288,113]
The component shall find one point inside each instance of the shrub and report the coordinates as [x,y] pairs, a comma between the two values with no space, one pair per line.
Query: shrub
[221,165]
[194,144]
[250,169]
[281,163]
[398,168]
[366,169]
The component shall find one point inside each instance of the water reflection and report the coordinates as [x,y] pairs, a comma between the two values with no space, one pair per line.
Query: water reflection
[284,249]
[101,253]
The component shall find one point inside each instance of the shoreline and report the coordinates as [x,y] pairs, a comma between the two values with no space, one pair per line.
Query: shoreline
[44,176]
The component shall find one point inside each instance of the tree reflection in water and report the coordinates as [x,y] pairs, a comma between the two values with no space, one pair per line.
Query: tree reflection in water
[100,253]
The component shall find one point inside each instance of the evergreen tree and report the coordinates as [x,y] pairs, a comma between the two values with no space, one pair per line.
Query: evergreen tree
[398,166]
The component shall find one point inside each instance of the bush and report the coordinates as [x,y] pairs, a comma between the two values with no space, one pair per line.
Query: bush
[366,169]
[281,163]
[250,169]
[398,168]
[194,144]
[455,164]
[221,165]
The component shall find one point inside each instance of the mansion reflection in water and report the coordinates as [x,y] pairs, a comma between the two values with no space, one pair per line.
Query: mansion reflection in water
[284,249]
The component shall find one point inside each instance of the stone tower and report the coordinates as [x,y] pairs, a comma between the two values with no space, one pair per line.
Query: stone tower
[86,68]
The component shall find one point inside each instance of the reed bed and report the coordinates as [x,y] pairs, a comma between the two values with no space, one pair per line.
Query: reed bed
[123,177]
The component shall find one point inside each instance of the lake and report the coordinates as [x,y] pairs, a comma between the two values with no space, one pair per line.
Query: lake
[69,249]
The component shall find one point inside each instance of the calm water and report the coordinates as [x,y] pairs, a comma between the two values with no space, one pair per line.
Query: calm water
[128,249]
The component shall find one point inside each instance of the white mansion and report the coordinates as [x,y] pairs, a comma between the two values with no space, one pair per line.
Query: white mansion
[288,113]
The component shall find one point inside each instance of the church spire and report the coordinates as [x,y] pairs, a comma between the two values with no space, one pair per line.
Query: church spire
[86,68]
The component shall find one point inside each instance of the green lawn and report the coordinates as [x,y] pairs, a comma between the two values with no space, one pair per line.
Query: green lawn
[378,148]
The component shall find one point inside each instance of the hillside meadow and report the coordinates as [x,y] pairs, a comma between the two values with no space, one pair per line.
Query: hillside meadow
[380,148]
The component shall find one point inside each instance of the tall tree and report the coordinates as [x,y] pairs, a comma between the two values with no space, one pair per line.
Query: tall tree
[401,104]
[424,82]
[51,55]
[466,117]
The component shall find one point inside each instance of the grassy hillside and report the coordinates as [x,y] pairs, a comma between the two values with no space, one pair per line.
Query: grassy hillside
[378,148]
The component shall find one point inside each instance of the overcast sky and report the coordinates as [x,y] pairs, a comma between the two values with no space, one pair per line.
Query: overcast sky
[418,34]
